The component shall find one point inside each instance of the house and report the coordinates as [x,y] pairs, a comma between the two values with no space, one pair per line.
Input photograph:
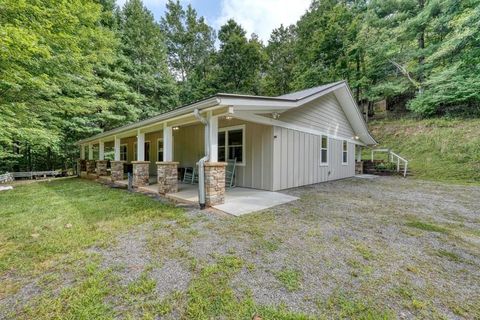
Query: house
[296,139]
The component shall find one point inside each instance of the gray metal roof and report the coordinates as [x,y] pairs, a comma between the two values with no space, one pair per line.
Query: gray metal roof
[307,92]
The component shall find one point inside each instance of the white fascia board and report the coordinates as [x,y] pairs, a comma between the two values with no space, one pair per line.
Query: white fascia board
[354,116]
[171,115]
[248,116]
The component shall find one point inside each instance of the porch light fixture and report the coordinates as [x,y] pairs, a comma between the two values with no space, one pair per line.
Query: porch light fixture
[228,118]
[356,137]
[175,128]
[275,115]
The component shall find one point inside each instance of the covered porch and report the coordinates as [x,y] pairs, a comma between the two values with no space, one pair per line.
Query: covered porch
[156,156]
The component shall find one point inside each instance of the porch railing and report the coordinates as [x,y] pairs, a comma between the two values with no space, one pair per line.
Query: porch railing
[394,158]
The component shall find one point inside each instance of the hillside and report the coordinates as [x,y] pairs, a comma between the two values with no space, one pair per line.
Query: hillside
[438,149]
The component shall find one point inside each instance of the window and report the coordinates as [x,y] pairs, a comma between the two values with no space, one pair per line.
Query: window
[344,152]
[123,152]
[231,144]
[146,151]
[324,151]
[160,150]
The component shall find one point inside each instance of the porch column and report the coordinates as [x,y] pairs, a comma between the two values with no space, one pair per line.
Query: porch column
[90,151]
[117,170]
[140,167]
[213,135]
[167,177]
[90,161]
[81,165]
[116,148]
[82,152]
[359,162]
[101,150]
[214,183]
[140,146]
[167,144]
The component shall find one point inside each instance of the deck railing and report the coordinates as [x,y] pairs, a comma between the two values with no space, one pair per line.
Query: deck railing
[394,158]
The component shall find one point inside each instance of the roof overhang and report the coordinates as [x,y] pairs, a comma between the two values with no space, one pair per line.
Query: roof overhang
[245,103]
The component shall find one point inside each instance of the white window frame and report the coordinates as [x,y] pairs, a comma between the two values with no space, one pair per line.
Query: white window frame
[344,143]
[226,129]
[323,164]
[126,151]
[158,149]
[135,150]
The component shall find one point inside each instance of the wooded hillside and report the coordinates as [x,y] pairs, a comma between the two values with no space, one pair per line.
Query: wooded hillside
[69,69]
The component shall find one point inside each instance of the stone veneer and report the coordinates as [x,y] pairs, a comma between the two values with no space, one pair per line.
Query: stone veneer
[117,170]
[358,167]
[167,177]
[140,173]
[91,166]
[102,167]
[81,166]
[214,183]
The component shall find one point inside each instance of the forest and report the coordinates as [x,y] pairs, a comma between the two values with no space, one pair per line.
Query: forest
[70,69]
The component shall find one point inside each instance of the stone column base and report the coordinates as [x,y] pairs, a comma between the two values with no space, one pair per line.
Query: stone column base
[81,166]
[102,167]
[141,173]
[214,183]
[359,167]
[117,170]
[91,167]
[167,177]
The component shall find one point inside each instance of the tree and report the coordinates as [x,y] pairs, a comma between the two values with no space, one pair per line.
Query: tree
[143,45]
[281,61]
[239,60]
[190,48]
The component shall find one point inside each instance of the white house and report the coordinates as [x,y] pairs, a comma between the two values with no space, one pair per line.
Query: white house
[297,139]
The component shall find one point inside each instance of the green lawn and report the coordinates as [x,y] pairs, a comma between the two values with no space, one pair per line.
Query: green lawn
[437,149]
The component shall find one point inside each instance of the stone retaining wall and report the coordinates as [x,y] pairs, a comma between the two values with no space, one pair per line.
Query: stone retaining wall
[91,165]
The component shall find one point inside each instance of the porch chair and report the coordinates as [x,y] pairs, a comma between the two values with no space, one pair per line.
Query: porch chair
[190,175]
[230,173]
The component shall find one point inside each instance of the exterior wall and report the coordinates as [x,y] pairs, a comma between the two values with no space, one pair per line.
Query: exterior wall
[257,172]
[324,114]
[296,159]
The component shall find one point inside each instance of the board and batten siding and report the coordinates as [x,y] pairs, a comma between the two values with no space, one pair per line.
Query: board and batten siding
[324,114]
[296,159]
[257,169]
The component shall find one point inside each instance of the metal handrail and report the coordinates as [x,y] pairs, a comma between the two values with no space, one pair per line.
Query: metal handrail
[391,155]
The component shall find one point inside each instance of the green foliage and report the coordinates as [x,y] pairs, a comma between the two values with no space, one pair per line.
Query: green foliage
[438,149]
[291,279]
[239,60]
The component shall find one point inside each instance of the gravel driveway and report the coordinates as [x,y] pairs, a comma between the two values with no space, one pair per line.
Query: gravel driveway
[392,247]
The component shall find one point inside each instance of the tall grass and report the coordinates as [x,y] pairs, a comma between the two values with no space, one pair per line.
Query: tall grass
[437,149]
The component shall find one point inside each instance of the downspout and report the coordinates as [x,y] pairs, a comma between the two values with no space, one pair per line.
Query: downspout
[201,162]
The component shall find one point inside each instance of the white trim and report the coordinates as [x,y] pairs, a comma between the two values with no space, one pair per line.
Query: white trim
[324,164]
[247,116]
[238,127]
[344,142]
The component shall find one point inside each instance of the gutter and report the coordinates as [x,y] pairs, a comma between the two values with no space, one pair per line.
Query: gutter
[201,162]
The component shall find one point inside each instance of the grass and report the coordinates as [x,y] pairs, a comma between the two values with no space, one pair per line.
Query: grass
[437,149]
[426,226]
[41,222]
[290,278]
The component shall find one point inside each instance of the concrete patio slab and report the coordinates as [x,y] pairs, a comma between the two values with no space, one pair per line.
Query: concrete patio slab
[238,201]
